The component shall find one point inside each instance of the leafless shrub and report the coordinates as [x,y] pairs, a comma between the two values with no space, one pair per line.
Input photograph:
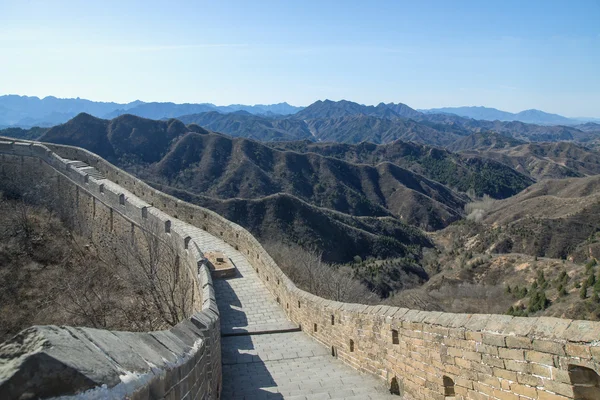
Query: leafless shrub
[477,210]
[108,280]
[90,291]
[455,298]
[160,278]
[307,270]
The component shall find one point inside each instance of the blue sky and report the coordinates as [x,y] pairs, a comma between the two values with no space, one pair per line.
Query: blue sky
[511,55]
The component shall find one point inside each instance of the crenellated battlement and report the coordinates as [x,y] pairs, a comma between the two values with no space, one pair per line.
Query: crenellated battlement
[49,360]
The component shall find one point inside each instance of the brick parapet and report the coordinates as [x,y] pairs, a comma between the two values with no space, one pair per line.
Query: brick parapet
[181,362]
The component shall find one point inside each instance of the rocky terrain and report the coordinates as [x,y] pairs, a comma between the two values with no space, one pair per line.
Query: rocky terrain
[369,205]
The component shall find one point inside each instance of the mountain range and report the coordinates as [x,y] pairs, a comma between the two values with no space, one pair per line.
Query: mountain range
[371,189]
[348,122]
[493,114]
[316,179]
[28,111]
[353,123]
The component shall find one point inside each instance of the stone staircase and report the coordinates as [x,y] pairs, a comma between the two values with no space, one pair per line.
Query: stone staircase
[83,167]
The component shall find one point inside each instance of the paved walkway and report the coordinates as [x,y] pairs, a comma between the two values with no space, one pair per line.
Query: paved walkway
[259,362]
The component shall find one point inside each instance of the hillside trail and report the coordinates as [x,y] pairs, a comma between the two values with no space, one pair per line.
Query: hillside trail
[265,355]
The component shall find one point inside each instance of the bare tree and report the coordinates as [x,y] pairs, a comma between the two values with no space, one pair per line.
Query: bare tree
[307,270]
[161,280]
[477,210]
[339,284]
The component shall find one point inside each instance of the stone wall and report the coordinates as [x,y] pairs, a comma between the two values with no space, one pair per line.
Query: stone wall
[427,355]
[182,362]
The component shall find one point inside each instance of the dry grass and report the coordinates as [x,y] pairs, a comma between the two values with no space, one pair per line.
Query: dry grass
[51,275]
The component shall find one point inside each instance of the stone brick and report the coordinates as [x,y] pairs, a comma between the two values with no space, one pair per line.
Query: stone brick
[486,348]
[485,389]
[494,340]
[475,336]
[502,395]
[520,326]
[524,390]
[544,395]
[480,367]
[539,357]
[530,380]
[560,375]
[489,380]
[558,387]
[541,370]
[511,354]
[519,342]
[505,384]
[497,323]
[595,350]
[505,374]
[547,346]
[492,361]
[477,322]
[475,395]
[466,383]
[470,355]
[577,350]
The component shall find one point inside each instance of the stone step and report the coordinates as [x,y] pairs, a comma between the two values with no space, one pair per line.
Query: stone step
[261,329]
[76,163]
[91,171]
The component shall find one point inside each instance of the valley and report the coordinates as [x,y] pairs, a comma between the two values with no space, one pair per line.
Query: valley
[423,210]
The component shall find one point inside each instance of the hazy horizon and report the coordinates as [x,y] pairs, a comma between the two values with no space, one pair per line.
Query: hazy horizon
[291,104]
[508,55]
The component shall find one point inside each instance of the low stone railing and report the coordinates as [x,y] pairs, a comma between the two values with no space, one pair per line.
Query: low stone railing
[181,362]
[427,355]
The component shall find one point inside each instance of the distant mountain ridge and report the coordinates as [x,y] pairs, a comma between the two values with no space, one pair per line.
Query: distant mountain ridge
[348,122]
[531,116]
[28,111]
[345,108]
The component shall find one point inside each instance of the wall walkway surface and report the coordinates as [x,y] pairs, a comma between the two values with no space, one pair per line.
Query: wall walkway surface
[265,355]
[424,355]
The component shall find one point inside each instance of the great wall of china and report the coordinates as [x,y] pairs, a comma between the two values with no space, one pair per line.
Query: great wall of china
[418,354]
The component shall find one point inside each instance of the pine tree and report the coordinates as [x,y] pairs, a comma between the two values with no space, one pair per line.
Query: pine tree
[562,292]
[583,291]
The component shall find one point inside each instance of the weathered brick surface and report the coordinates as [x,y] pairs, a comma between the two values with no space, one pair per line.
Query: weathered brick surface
[186,360]
[486,356]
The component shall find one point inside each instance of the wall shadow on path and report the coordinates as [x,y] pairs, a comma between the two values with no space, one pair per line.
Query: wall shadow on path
[245,375]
